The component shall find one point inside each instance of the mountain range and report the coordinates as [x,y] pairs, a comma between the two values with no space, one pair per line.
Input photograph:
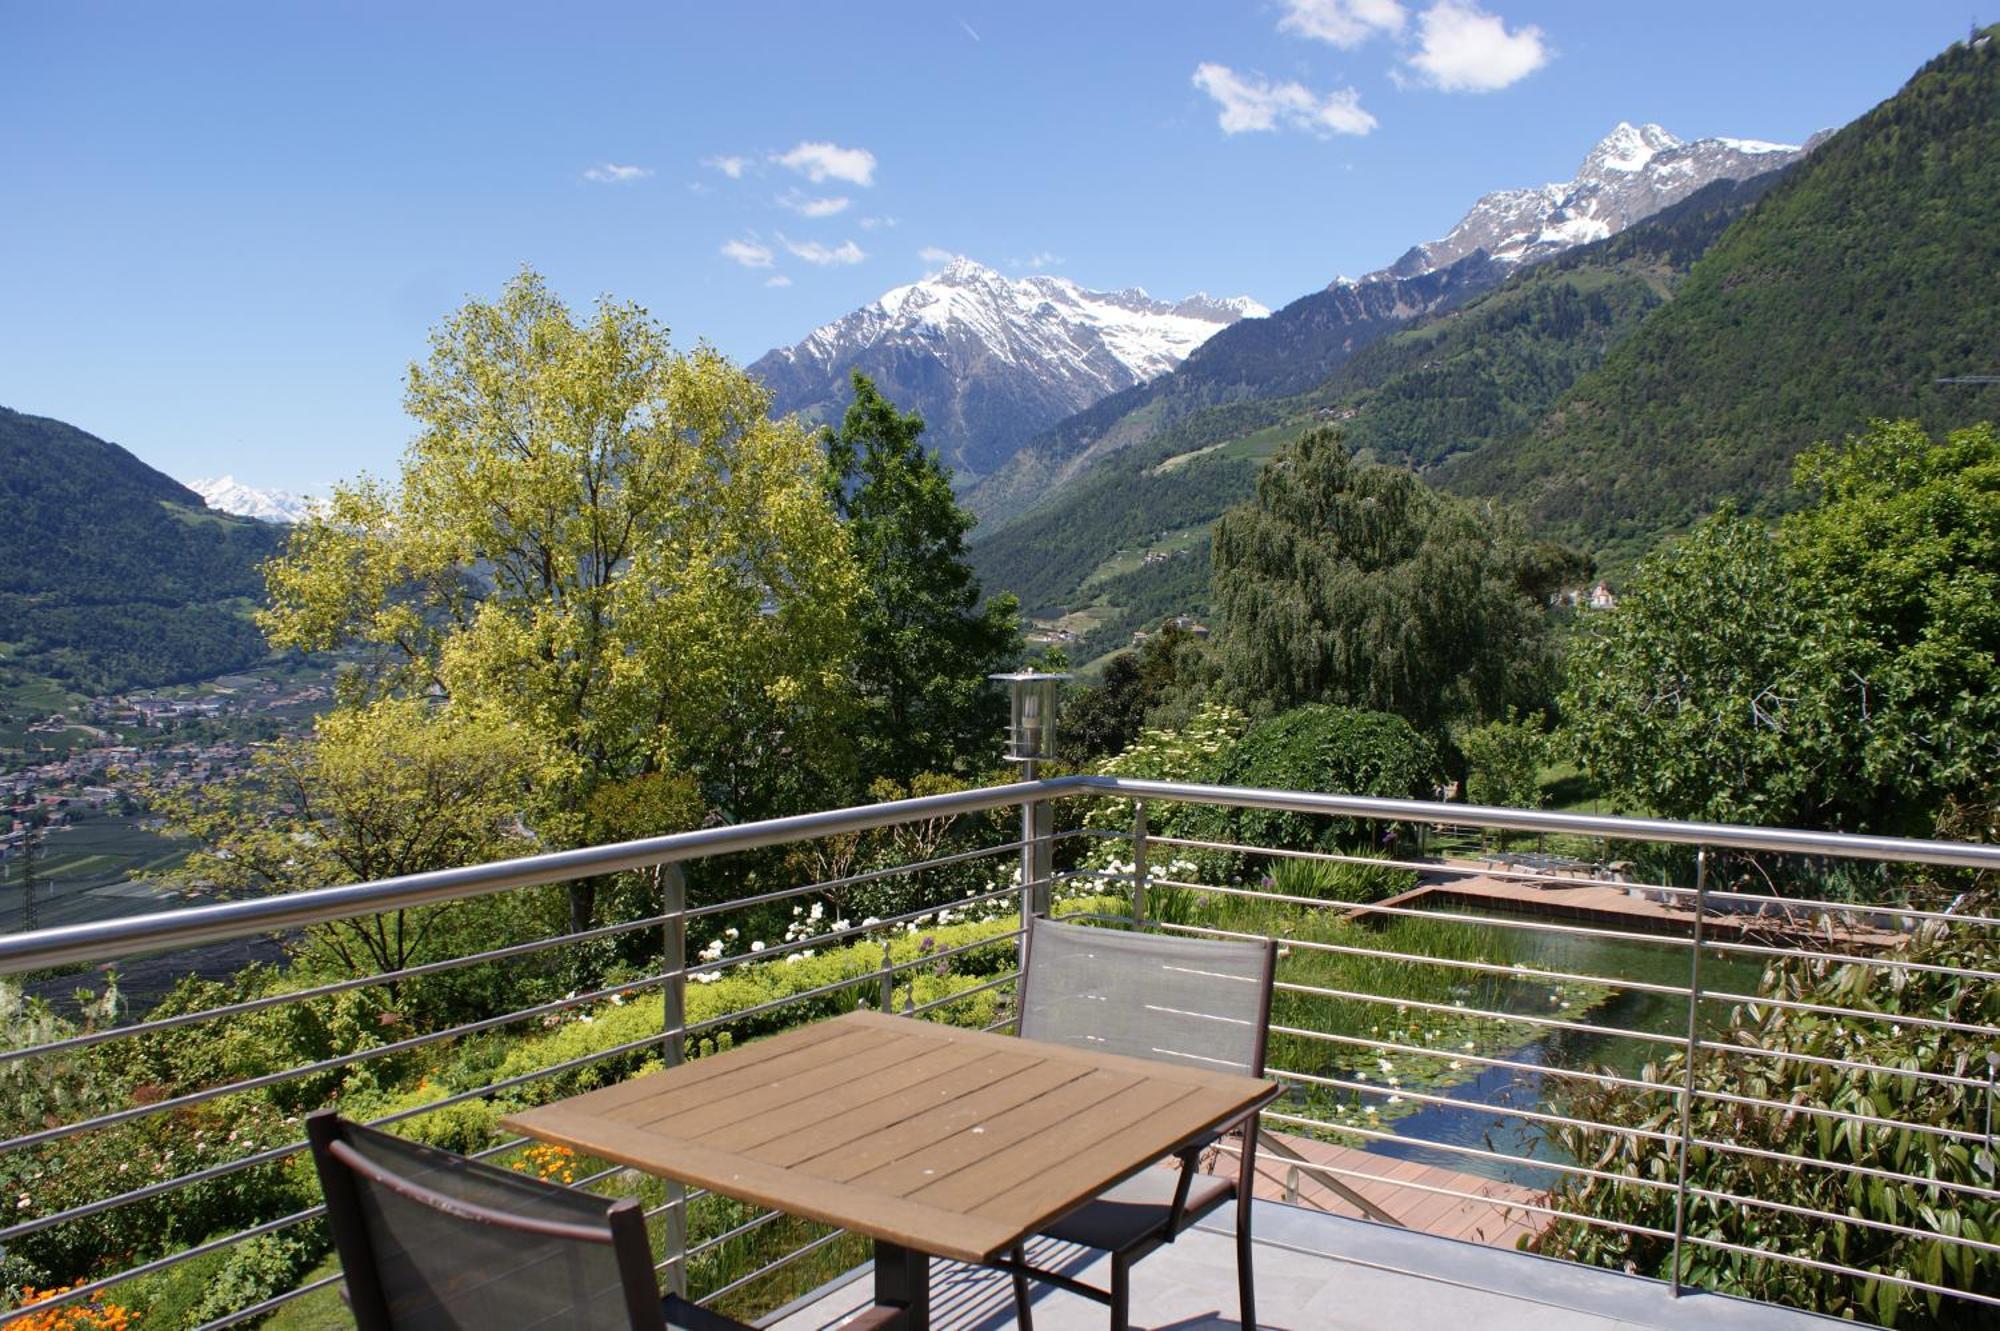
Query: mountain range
[1628,175]
[989,360]
[1614,393]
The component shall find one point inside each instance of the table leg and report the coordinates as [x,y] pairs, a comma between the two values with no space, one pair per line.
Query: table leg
[903,1280]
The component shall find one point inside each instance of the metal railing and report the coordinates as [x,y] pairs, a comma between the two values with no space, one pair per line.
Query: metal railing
[1327,1063]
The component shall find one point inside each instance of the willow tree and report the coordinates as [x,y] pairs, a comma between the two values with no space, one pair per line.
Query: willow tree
[1359,585]
[605,542]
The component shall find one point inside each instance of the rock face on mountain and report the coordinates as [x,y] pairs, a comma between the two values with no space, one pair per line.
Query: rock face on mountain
[1630,175]
[989,361]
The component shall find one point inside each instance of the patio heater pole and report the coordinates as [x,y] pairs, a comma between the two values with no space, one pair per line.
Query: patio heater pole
[1032,699]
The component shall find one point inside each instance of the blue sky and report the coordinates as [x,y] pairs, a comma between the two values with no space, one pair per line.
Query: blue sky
[226,228]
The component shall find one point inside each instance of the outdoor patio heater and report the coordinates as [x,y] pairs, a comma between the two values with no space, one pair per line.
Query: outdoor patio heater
[1032,698]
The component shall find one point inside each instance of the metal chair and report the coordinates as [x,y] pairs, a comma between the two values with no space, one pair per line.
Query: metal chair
[1203,1002]
[429,1239]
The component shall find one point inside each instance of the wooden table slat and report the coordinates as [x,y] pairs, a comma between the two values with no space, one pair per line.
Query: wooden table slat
[795,1082]
[946,1121]
[932,1165]
[669,1092]
[753,1130]
[877,1119]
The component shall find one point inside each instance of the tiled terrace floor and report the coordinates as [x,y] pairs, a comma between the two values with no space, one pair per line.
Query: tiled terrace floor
[1318,1272]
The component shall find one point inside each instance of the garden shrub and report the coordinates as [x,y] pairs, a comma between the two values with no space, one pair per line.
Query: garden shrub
[1333,751]
[1794,1129]
[1199,752]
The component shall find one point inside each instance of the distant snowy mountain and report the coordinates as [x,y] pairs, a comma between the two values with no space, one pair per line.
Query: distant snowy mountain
[1630,175]
[1627,177]
[989,361]
[232,496]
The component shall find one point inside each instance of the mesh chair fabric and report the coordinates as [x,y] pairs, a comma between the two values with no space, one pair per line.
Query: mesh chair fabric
[439,1271]
[1197,1001]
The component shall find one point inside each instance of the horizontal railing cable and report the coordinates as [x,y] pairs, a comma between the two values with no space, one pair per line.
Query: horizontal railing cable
[155,1025]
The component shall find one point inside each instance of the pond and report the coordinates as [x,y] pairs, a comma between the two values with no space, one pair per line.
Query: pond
[1583,953]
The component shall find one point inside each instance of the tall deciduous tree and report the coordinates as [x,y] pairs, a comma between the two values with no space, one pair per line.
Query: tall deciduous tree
[392,787]
[1841,671]
[1359,585]
[926,642]
[607,543]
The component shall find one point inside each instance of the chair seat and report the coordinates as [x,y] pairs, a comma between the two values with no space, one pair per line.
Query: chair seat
[1138,1208]
[685,1316]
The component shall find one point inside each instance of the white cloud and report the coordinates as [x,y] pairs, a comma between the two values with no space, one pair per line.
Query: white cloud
[749,253]
[1035,263]
[875,223]
[733,167]
[611,173]
[777,280]
[812,251]
[934,255]
[807,206]
[829,161]
[1462,48]
[1252,103]
[1344,23]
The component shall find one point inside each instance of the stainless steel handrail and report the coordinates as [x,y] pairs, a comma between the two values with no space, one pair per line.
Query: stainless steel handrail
[168,930]
[112,939]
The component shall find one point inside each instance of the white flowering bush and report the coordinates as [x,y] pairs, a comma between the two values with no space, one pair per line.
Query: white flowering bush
[1197,751]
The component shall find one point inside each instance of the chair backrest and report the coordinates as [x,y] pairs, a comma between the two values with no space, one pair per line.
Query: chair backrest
[1201,1001]
[430,1239]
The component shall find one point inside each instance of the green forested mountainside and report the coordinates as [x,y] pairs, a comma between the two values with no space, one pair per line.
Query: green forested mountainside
[1868,272]
[1273,357]
[1482,374]
[1452,383]
[113,574]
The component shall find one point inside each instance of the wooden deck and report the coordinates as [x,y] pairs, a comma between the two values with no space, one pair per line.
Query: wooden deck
[1616,905]
[1382,1180]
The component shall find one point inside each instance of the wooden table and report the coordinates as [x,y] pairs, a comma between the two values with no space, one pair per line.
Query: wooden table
[929,1139]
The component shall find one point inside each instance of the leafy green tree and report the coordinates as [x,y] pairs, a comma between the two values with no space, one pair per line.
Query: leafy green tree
[926,643]
[393,787]
[1359,585]
[1099,722]
[1841,671]
[609,544]
[1503,761]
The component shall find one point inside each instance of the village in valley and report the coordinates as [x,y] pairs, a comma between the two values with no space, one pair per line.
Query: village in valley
[74,819]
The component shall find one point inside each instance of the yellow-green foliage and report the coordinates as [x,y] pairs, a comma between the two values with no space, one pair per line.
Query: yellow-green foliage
[753,984]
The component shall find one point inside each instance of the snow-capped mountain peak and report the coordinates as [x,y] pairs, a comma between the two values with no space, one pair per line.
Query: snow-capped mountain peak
[988,360]
[229,495]
[1626,149]
[1629,175]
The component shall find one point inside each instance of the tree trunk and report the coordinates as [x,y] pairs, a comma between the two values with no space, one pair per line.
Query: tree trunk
[582,904]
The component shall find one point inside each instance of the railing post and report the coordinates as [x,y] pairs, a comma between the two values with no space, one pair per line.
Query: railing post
[887,1002]
[671,881]
[1687,1067]
[1043,817]
[1027,854]
[1139,849]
